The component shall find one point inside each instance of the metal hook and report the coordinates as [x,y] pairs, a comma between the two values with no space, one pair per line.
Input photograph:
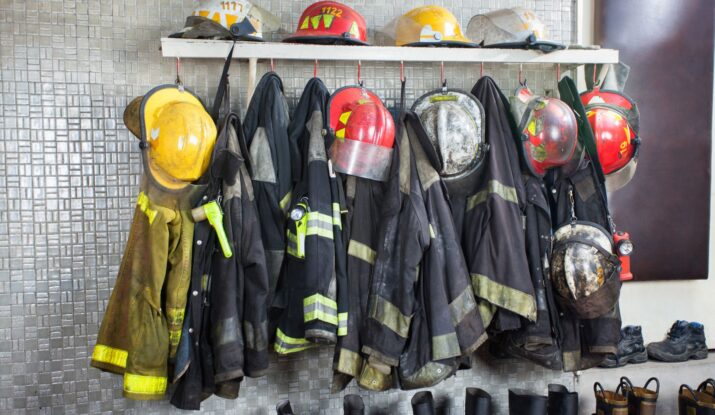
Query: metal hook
[521,71]
[595,78]
[402,71]
[178,74]
[316,65]
[359,69]
[273,66]
[558,72]
[481,69]
[442,78]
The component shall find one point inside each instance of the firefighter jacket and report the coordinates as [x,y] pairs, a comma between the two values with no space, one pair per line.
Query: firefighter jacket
[492,234]
[266,130]
[361,229]
[141,328]
[312,281]
[582,193]
[226,329]
[422,315]
[537,341]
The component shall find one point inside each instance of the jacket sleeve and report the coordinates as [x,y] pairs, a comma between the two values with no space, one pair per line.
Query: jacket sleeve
[255,304]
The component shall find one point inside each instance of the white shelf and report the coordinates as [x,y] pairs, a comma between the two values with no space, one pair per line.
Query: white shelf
[189,48]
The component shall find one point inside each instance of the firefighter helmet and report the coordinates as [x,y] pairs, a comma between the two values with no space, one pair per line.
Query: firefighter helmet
[216,19]
[429,26]
[454,122]
[511,28]
[177,135]
[614,120]
[584,270]
[364,133]
[330,22]
[547,128]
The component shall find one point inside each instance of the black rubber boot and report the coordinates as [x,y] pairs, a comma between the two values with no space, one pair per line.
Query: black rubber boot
[641,401]
[423,403]
[695,402]
[477,402]
[684,341]
[284,408]
[630,349]
[609,402]
[561,401]
[524,402]
[353,405]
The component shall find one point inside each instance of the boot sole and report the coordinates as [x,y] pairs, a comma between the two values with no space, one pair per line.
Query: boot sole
[636,358]
[694,355]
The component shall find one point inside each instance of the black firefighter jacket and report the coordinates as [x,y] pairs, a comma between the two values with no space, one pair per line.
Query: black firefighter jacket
[266,130]
[312,284]
[492,234]
[584,342]
[422,315]
[225,333]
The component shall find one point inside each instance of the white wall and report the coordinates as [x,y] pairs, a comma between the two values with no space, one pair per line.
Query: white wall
[656,305]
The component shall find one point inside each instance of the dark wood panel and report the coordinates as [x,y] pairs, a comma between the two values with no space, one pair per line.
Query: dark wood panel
[666,207]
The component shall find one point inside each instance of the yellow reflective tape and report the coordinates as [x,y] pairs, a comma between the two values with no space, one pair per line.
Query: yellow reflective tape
[445,346]
[349,362]
[175,316]
[340,133]
[106,354]
[295,245]
[361,251]
[390,316]
[285,202]
[354,30]
[327,20]
[285,344]
[320,315]
[337,217]
[318,298]
[313,230]
[507,193]
[143,203]
[462,305]
[305,23]
[174,337]
[503,296]
[342,324]
[344,117]
[144,385]
[315,20]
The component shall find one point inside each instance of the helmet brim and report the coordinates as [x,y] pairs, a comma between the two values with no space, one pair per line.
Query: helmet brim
[542,45]
[199,27]
[621,177]
[324,40]
[443,44]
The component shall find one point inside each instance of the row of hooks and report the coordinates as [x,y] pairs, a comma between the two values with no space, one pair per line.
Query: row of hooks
[443,79]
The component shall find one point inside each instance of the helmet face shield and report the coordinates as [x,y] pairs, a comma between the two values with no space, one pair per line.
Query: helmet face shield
[584,270]
[330,22]
[454,123]
[511,28]
[549,133]
[364,133]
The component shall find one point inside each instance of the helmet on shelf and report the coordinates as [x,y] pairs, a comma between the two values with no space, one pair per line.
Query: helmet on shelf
[330,22]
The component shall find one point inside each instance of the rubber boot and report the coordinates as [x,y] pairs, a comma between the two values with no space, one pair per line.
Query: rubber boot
[423,403]
[284,408]
[696,402]
[561,401]
[353,405]
[641,401]
[524,402]
[609,402]
[477,402]
[708,386]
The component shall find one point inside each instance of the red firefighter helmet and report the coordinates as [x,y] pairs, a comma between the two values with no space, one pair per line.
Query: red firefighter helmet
[614,120]
[364,133]
[549,133]
[330,22]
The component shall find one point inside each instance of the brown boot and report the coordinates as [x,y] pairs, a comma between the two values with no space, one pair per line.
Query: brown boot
[696,402]
[708,386]
[641,401]
[610,403]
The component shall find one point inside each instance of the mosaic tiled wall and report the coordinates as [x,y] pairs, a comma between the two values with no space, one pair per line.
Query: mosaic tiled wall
[69,177]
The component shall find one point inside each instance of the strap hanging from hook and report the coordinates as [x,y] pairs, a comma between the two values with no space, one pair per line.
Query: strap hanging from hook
[178,74]
[359,69]
[442,78]
[316,65]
